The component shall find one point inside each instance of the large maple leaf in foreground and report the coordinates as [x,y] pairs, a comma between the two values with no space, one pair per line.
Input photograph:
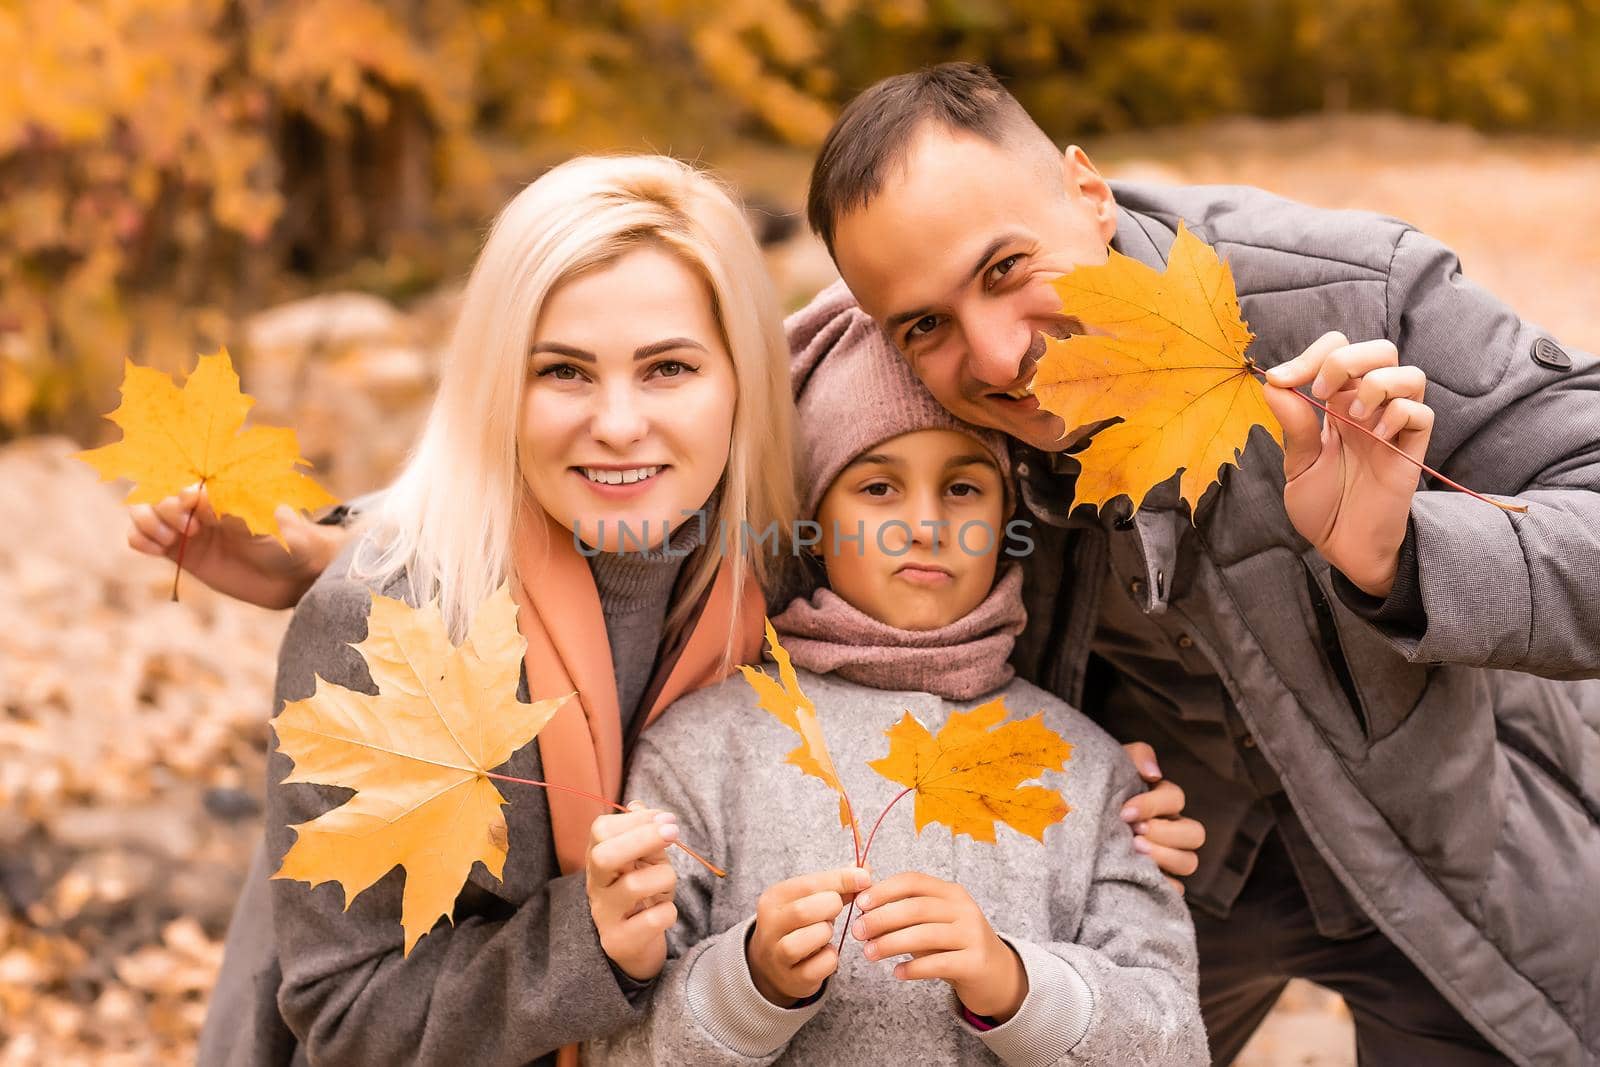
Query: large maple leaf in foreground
[173,438]
[969,775]
[1166,354]
[416,755]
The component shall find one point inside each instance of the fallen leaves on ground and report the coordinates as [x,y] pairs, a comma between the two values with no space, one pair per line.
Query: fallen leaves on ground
[173,438]
[416,754]
[969,775]
[1165,354]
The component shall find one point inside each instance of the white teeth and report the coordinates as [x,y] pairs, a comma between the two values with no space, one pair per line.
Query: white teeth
[1023,393]
[627,477]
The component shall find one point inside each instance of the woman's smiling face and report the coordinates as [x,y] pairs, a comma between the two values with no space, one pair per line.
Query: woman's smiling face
[627,413]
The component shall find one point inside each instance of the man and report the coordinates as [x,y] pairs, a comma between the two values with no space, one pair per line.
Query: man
[1324,654]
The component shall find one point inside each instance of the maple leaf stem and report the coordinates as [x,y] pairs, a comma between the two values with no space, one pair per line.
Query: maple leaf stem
[1391,446]
[861,861]
[707,864]
[183,544]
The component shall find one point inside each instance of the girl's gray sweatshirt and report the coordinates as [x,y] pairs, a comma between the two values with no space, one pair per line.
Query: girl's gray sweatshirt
[1107,946]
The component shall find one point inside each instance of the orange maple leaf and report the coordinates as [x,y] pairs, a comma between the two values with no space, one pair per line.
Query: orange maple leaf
[784,701]
[1165,354]
[969,775]
[173,438]
[418,756]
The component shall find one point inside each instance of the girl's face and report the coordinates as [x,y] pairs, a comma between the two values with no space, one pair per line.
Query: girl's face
[930,508]
[627,413]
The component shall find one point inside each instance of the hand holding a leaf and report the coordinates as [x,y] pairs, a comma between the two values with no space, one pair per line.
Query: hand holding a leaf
[1346,492]
[630,885]
[948,938]
[225,555]
[791,951]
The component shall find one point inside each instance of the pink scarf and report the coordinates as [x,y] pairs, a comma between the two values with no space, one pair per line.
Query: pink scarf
[963,660]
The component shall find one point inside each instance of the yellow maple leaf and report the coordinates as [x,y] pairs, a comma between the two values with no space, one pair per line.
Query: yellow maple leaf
[173,438]
[784,701]
[969,775]
[416,755]
[1166,355]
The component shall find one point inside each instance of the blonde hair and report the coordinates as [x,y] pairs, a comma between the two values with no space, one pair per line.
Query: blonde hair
[448,521]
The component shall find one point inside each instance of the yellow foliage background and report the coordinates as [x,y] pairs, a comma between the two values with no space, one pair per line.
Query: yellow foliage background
[168,166]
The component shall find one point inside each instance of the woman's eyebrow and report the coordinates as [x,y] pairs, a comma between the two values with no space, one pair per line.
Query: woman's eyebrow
[559,349]
[655,348]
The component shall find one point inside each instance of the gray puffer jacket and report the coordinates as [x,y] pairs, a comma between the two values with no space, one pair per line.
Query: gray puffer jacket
[1447,779]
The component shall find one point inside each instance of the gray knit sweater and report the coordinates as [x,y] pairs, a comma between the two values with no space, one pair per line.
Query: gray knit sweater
[1107,946]
[519,973]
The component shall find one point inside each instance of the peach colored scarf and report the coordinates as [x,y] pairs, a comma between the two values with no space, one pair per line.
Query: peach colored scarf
[581,746]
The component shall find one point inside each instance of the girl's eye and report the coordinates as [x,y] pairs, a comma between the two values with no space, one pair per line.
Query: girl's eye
[878,489]
[1002,268]
[922,327]
[964,489]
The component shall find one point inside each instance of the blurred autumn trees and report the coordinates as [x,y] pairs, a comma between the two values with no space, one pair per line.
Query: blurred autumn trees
[169,165]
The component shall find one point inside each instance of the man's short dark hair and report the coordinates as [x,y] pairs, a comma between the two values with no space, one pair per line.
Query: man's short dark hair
[873,133]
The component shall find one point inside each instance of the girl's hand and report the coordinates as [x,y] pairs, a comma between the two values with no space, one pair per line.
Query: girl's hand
[225,555]
[1156,818]
[790,951]
[630,883]
[947,936]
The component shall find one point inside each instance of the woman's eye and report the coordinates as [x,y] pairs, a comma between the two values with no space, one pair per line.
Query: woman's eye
[1002,268]
[671,368]
[561,372]
[922,327]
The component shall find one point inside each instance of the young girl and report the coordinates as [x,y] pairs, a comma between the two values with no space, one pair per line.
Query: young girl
[1074,951]
[619,363]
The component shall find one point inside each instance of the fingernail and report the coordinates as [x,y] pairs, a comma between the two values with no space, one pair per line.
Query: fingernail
[669,831]
[1357,409]
[863,902]
[1141,845]
[859,930]
[1141,827]
[900,970]
[635,805]
[1150,769]
[1319,389]
[860,880]
[664,817]
[1130,813]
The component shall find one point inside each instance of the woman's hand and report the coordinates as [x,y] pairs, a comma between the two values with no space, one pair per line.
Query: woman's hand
[790,951]
[225,555]
[630,883]
[947,936]
[1156,817]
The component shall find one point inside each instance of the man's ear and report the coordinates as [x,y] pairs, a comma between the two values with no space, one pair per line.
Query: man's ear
[1081,177]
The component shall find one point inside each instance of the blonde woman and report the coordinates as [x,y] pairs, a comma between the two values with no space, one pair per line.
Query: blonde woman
[619,371]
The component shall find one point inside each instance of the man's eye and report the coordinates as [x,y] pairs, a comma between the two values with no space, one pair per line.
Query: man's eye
[1002,268]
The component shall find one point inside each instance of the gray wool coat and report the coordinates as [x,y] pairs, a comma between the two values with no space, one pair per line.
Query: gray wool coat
[1107,945]
[1451,780]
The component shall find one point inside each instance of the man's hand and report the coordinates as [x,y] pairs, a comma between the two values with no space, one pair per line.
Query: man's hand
[225,555]
[947,936]
[1346,493]
[1156,816]
[790,951]
[630,884]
